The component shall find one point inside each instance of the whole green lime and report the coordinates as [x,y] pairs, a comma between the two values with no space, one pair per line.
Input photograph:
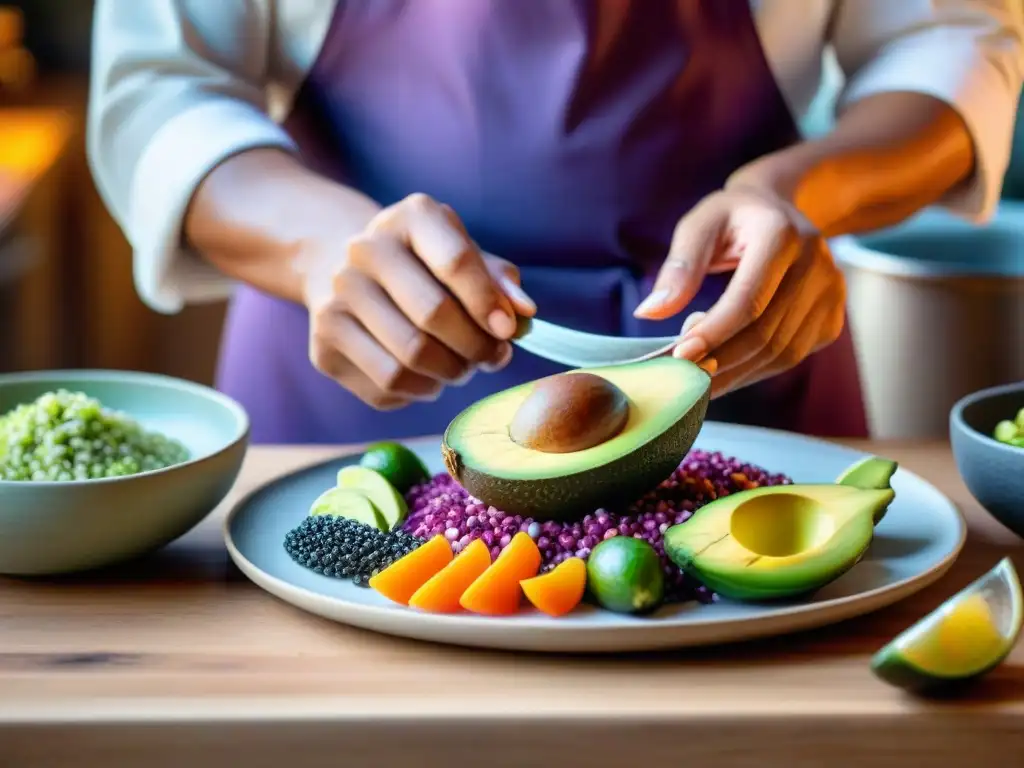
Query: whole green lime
[399,465]
[624,575]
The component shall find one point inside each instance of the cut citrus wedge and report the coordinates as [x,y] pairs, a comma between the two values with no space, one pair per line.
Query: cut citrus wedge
[965,637]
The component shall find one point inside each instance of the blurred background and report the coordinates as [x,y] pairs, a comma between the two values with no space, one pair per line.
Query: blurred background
[937,307]
[66,293]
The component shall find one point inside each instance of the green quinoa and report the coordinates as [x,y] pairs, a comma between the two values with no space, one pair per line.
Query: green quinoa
[66,436]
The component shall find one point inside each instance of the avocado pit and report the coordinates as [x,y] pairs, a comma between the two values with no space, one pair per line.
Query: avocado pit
[569,412]
[649,422]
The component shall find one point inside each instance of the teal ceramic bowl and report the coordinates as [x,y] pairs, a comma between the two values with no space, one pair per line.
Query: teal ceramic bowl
[49,528]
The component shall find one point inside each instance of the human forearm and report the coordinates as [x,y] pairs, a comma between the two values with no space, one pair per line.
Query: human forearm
[890,155]
[253,214]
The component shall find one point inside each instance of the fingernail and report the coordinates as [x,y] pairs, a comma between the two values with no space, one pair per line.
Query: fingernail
[464,378]
[652,302]
[515,292]
[690,349]
[501,324]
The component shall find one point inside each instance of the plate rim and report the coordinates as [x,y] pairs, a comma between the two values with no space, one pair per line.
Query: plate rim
[830,611]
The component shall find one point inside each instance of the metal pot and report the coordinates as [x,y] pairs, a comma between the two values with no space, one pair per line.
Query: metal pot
[936,309]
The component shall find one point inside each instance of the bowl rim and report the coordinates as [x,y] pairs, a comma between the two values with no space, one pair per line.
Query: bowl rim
[243,425]
[850,252]
[956,414]
[854,251]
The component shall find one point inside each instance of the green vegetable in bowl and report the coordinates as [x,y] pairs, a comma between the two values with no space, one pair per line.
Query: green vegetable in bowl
[64,436]
[1011,432]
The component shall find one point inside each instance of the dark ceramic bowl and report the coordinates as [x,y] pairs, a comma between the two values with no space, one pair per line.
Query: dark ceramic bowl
[993,471]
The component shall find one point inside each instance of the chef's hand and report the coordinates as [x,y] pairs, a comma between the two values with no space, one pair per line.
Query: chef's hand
[785,300]
[411,305]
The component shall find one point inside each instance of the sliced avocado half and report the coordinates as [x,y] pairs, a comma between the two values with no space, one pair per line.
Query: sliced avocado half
[776,542]
[667,402]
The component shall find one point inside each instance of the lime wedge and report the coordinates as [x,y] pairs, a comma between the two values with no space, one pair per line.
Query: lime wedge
[353,505]
[965,637]
[870,474]
[377,489]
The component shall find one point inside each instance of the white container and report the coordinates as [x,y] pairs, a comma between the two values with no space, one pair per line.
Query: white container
[936,308]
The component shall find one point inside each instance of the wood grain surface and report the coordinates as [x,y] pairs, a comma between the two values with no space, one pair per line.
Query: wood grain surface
[178,660]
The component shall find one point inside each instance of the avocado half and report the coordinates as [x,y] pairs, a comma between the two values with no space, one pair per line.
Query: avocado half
[779,541]
[668,400]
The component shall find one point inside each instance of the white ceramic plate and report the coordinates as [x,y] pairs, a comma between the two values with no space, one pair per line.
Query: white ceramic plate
[916,542]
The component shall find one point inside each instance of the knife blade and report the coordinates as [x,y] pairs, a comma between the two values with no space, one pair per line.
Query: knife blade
[578,349]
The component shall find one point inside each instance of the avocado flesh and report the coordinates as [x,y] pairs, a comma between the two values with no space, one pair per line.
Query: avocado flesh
[871,473]
[391,507]
[777,542]
[668,401]
[343,502]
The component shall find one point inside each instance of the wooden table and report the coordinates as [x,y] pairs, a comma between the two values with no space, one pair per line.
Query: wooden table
[181,661]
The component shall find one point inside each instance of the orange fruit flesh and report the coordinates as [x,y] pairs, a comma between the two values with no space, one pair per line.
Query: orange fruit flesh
[496,592]
[442,591]
[400,580]
[558,591]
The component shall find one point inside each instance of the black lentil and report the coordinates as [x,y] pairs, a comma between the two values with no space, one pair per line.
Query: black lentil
[346,549]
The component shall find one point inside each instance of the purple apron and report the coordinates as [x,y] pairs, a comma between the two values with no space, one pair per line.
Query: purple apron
[570,136]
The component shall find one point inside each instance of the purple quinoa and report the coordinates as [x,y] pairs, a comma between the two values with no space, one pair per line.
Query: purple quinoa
[442,507]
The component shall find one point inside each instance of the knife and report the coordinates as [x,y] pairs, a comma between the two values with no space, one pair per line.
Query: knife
[577,349]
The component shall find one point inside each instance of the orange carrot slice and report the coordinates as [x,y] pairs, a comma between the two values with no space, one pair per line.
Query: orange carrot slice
[496,592]
[560,590]
[403,577]
[442,591]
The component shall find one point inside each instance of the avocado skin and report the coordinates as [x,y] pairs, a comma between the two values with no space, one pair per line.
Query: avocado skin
[609,486]
[893,669]
[749,593]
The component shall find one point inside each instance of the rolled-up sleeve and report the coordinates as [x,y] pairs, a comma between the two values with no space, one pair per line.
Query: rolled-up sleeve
[177,87]
[968,53]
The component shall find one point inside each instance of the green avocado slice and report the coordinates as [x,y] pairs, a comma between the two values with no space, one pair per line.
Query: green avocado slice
[343,502]
[388,501]
[776,542]
[668,399]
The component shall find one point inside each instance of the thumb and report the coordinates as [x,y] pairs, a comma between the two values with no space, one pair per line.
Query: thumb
[507,275]
[693,246]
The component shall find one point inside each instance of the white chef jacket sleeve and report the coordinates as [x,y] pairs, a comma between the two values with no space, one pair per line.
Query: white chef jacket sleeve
[177,87]
[968,53]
